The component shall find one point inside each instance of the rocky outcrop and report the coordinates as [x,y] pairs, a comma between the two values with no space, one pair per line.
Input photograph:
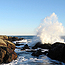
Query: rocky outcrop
[7,48]
[10,44]
[43,46]
[7,55]
[57,51]
[3,37]
[37,53]
[14,38]
[25,47]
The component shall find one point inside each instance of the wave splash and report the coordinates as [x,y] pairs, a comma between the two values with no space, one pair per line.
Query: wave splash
[49,30]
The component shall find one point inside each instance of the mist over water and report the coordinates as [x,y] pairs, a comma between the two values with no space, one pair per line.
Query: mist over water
[50,30]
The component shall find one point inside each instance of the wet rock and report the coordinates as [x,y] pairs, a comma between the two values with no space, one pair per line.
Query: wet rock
[14,38]
[18,44]
[37,53]
[30,50]
[10,38]
[43,46]
[40,52]
[21,38]
[57,51]
[25,47]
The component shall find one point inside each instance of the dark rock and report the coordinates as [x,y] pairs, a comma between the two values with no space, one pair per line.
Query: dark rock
[10,55]
[10,38]
[21,38]
[17,44]
[37,53]
[7,55]
[57,51]
[14,38]
[30,50]
[25,47]
[43,46]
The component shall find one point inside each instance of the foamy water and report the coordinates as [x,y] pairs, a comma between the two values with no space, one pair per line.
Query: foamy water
[49,31]
[25,58]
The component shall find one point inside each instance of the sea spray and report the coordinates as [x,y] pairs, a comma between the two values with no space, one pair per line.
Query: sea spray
[49,31]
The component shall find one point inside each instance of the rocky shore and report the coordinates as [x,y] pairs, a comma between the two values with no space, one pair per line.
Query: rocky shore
[56,50]
[7,48]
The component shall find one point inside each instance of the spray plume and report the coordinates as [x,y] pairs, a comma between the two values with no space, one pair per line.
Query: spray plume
[49,30]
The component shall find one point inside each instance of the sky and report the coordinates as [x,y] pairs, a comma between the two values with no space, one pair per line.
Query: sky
[22,17]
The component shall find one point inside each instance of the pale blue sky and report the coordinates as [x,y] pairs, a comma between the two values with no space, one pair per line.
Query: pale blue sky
[24,16]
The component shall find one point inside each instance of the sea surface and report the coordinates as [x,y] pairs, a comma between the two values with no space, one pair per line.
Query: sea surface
[25,58]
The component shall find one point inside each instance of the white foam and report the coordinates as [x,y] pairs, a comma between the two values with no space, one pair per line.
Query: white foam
[20,41]
[49,30]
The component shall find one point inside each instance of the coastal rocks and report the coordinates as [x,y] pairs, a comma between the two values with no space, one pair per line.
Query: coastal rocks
[10,55]
[40,52]
[2,43]
[25,47]
[14,38]
[43,46]
[10,38]
[57,51]
[10,44]
[7,53]
[37,53]
[3,37]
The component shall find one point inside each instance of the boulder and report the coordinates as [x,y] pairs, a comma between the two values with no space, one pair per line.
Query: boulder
[37,53]
[10,44]
[2,43]
[25,47]
[57,51]
[3,37]
[21,38]
[7,53]
[43,46]
[10,38]
[10,55]
[15,38]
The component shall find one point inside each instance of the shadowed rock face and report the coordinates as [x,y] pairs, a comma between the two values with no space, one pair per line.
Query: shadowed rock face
[57,51]
[7,48]
[14,38]
[25,47]
[43,46]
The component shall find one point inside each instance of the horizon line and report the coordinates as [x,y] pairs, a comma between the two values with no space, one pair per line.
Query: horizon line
[18,34]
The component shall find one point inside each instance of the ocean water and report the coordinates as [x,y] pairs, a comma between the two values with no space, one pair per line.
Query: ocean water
[25,58]
[49,31]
